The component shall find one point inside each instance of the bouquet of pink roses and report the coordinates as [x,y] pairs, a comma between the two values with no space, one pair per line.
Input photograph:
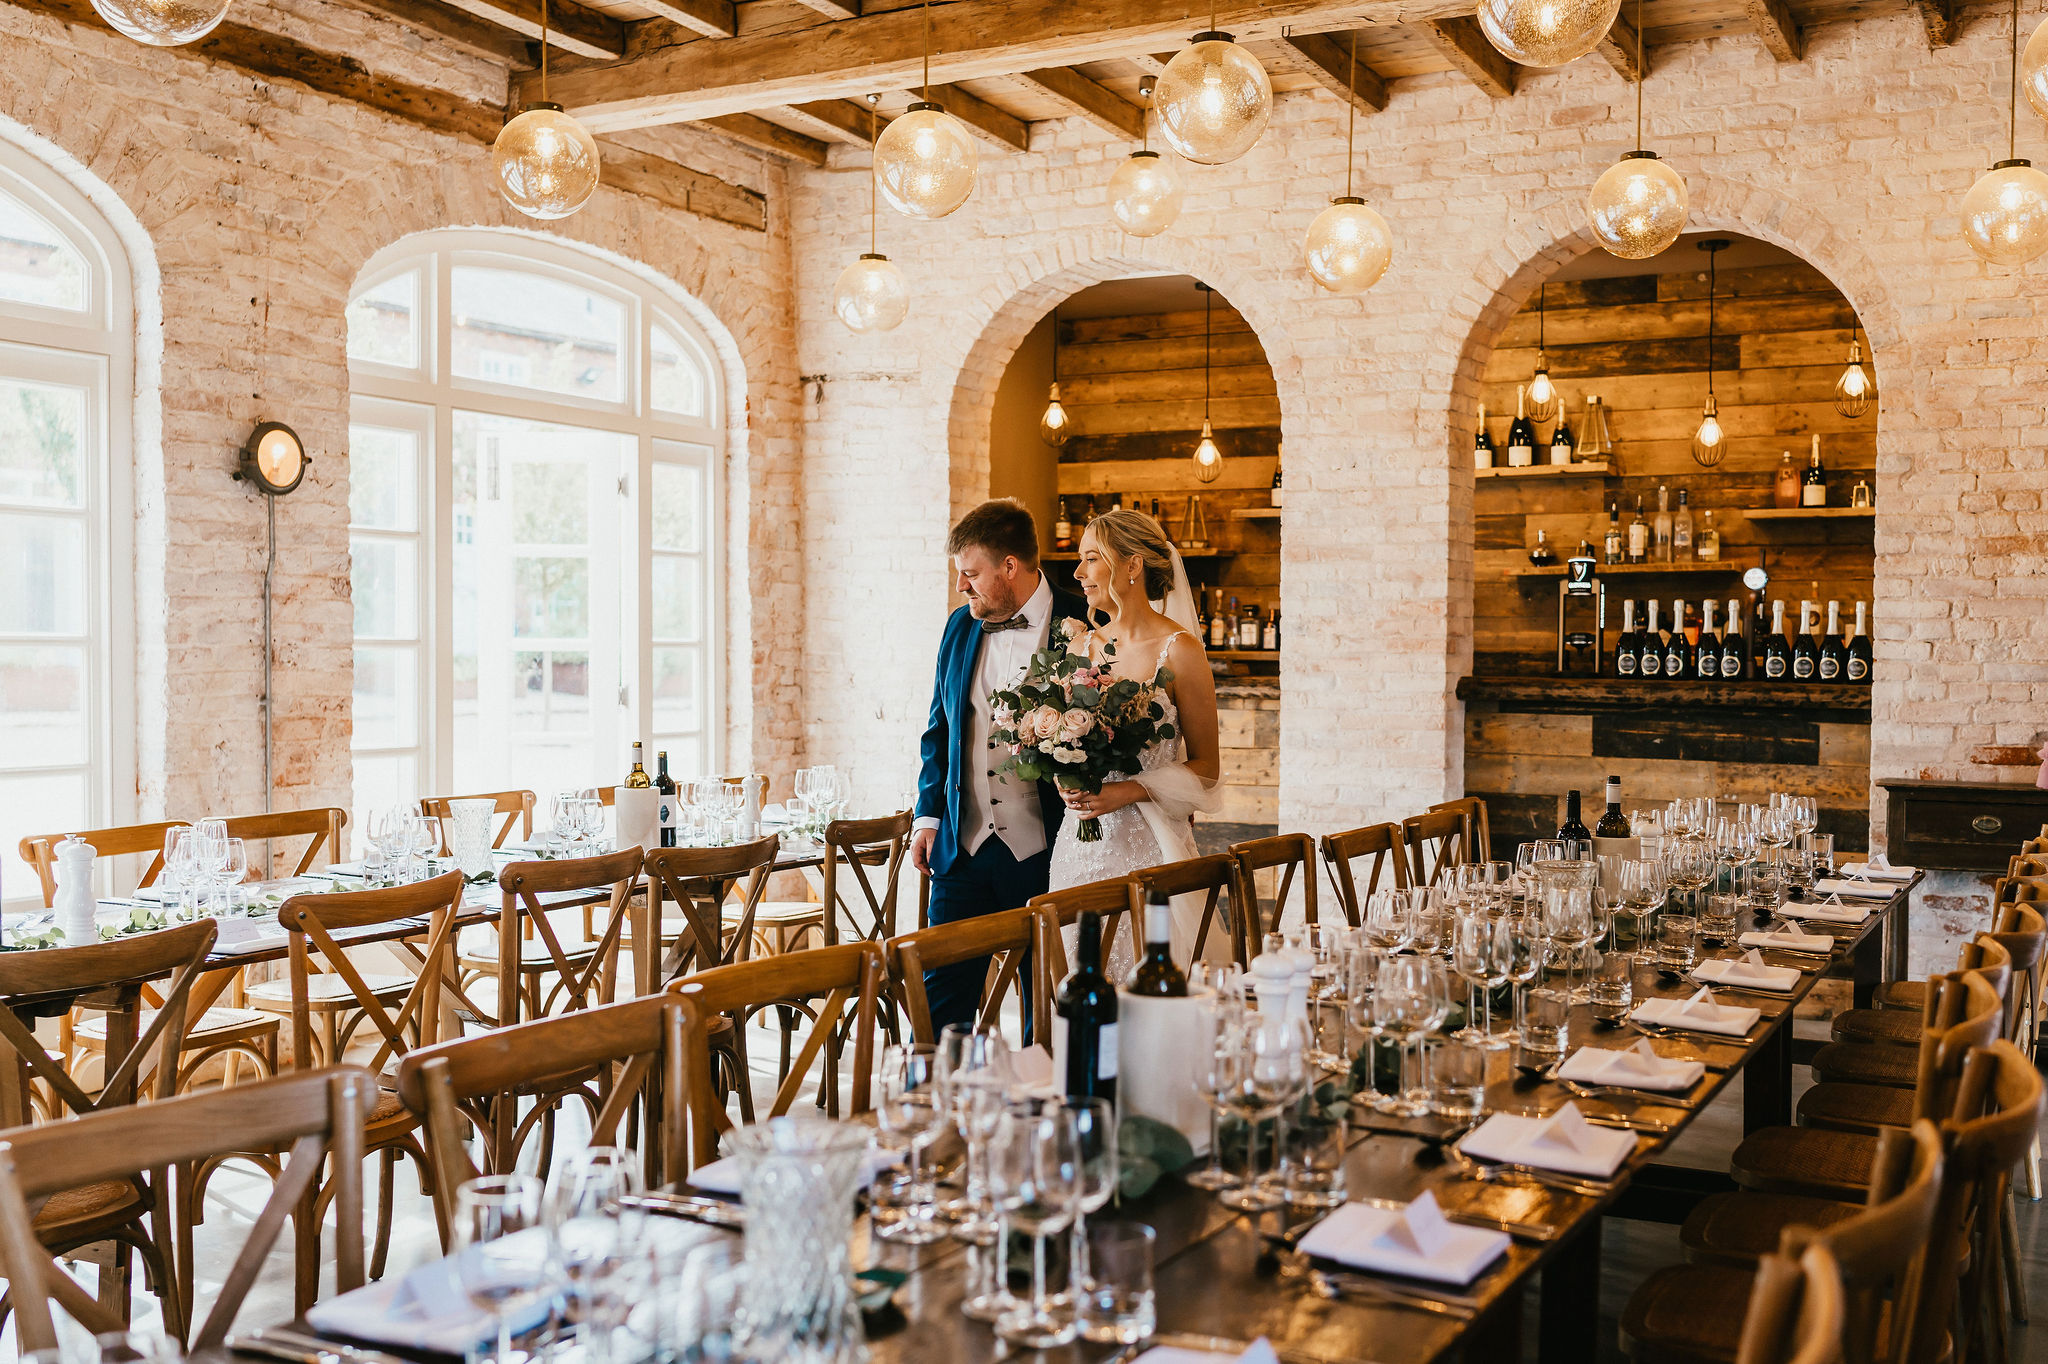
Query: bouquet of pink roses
[1070,721]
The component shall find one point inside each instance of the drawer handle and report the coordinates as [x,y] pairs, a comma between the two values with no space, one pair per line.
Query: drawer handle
[1987,824]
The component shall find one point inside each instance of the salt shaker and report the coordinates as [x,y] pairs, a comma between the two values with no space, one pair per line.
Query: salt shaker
[1271,974]
[74,906]
[755,786]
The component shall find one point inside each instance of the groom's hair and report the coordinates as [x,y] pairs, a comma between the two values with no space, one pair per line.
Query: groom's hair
[1003,527]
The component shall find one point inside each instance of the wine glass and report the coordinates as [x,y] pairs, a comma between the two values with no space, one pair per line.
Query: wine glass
[911,1112]
[180,870]
[1689,865]
[1095,1132]
[1216,1075]
[423,840]
[1405,999]
[1568,926]
[502,1270]
[591,1233]
[1525,959]
[1640,886]
[974,1070]
[1479,953]
[1272,1071]
[1035,1175]
[1388,921]
[234,871]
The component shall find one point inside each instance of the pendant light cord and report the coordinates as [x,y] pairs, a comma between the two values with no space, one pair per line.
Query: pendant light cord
[873,173]
[1055,345]
[1639,75]
[2012,106]
[928,50]
[1208,299]
[1351,127]
[543,51]
[1711,282]
[1542,298]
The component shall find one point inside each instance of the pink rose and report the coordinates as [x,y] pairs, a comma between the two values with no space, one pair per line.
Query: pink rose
[1074,724]
[1077,636]
[1044,722]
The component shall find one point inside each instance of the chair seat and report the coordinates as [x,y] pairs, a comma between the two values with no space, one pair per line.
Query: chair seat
[213,1028]
[1901,994]
[534,957]
[1737,1229]
[1865,1063]
[778,913]
[1687,1314]
[1805,1160]
[73,1212]
[1894,1026]
[1855,1108]
[328,991]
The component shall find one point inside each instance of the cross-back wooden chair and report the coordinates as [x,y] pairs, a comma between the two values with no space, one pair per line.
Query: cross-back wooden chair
[852,848]
[516,807]
[316,1118]
[1384,844]
[1008,938]
[1796,1312]
[1119,901]
[1436,842]
[1294,855]
[124,1215]
[1479,835]
[1214,876]
[322,828]
[569,971]
[1985,954]
[836,989]
[633,1050]
[702,933]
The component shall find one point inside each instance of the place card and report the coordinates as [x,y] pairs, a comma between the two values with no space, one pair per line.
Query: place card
[1828,911]
[1415,1240]
[1259,1351]
[1638,1067]
[1566,1129]
[1863,890]
[1790,940]
[1421,1227]
[1751,971]
[1583,1149]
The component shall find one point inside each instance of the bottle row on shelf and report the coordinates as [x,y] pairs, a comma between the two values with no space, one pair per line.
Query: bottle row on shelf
[1692,650]
[1226,625]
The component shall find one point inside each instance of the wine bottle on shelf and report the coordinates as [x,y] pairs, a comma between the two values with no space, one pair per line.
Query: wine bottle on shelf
[1706,650]
[1219,624]
[1681,531]
[1085,1006]
[1248,628]
[1857,666]
[1650,653]
[1157,977]
[1813,488]
[1278,496]
[1734,650]
[1625,647]
[1708,548]
[1482,444]
[1574,827]
[1521,434]
[1785,491]
[665,787]
[637,778]
[1832,655]
[1777,655]
[1269,637]
[1062,530]
[1678,647]
[1805,657]
[1663,524]
[1561,439]
[1611,546]
[1638,535]
[1613,823]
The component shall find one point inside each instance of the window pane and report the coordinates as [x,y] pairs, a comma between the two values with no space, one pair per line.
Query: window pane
[34,804]
[383,477]
[678,507]
[42,567]
[384,578]
[383,323]
[676,692]
[678,598]
[532,331]
[675,379]
[386,698]
[550,502]
[383,780]
[685,755]
[551,691]
[37,264]
[550,597]
[42,705]
[40,465]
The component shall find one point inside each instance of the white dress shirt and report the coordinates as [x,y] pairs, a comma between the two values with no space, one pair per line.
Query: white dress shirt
[990,802]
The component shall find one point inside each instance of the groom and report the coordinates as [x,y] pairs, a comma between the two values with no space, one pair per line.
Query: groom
[985,840]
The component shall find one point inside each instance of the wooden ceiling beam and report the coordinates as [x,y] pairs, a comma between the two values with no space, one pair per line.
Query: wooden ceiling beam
[705,18]
[998,127]
[1325,58]
[1939,18]
[834,9]
[1467,50]
[1099,104]
[762,135]
[1776,28]
[1619,48]
[841,120]
[571,27]
[1151,63]
[461,31]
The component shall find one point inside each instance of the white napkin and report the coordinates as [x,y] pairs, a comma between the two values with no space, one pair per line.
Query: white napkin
[1639,1067]
[1750,971]
[1259,1351]
[723,1176]
[1415,1241]
[1564,1142]
[427,1310]
[1830,910]
[1032,1067]
[1790,940]
[1862,890]
[1879,869]
[1700,1013]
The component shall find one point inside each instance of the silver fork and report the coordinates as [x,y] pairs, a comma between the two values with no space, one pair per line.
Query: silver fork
[1503,1172]
[1338,1286]
[1624,1092]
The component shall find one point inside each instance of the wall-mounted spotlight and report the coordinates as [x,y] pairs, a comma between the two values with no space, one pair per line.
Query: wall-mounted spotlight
[275,459]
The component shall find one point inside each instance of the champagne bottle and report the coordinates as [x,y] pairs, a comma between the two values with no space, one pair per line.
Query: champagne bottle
[1085,1005]
[1857,666]
[1777,657]
[1733,652]
[1650,657]
[1561,446]
[1663,524]
[1625,647]
[1681,530]
[1638,535]
[1832,655]
[1613,823]
[1574,829]
[1813,488]
[666,786]
[1805,657]
[637,778]
[1157,977]
[1610,548]
[1706,650]
[1482,444]
[1678,649]
[1062,530]
[1521,435]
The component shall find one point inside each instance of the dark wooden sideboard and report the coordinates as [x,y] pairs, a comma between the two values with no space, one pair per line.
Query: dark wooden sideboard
[1960,825]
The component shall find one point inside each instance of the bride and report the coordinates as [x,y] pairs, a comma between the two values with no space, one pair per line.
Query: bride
[1129,571]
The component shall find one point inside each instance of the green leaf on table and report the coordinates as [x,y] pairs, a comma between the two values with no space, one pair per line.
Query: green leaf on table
[1146,1149]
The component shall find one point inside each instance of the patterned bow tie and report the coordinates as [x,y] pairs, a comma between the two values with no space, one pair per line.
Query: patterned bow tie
[996,627]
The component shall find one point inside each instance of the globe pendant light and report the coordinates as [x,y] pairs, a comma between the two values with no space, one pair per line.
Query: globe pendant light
[1853,391]
[1054,428]
[1638,207]
[1146,191]
[2005,214]
[1213,98]
[2034,70]
[925,161]
[870,295]
[1349,244]
[1543,402]
[545,161]
[1710,442]
[162,23]
[1546,32]
[1208,459]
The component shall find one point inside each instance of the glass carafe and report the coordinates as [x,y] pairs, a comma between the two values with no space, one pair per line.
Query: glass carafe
[798,1305]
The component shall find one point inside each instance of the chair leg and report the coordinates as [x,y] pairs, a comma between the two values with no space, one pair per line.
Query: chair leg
[2015,1277]
[387,1168]
[2034,1171]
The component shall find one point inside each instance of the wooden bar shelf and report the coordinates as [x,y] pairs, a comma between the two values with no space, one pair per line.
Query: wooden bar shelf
[1557,570]
[1245,655]
[1809,513]
[1255,513]
[1601,470]
[1592,693]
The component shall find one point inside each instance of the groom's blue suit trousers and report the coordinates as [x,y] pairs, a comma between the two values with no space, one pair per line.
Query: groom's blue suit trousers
[990,881]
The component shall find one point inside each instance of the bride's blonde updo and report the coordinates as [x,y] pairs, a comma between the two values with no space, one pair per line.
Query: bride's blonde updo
[1127,532]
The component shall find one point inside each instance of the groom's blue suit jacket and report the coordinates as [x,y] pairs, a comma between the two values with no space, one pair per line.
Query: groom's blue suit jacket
[941,784]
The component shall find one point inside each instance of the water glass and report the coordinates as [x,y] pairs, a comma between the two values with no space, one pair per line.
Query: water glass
[1457,1080]
[1612,988]
[1546,1025]
[1678,940]
[1114,1304]
[1819,851]
[1717,921]
[1312,1175]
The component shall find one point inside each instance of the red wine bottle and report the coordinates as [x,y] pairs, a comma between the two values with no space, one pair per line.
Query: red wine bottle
[1086,1006]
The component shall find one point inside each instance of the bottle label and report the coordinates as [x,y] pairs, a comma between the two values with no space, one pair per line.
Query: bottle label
[1653,663]
[1774,667]
[1625,663]
[1105,1051]
[1802,668]
[1482,458]
[1637,538]
[1813,495]
[1521,456]
[1858,669]
[1731,664]
[1830,668]
[668,813]
[1105,1063]
[1674,663]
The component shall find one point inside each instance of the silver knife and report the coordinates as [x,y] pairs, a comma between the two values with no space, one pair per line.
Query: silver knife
[281,1343]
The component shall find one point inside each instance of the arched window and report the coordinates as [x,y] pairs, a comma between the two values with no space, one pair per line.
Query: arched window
[535,446]
[67,339]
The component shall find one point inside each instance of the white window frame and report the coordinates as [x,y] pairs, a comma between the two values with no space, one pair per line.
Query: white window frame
[433,388]
[94,348]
